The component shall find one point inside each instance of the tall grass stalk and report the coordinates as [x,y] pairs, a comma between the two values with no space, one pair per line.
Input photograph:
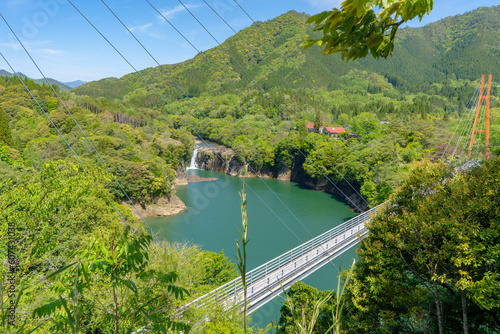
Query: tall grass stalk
[340,300]
[242,253]
[306,326]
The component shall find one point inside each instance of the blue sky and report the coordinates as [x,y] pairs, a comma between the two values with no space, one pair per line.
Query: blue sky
[67,48]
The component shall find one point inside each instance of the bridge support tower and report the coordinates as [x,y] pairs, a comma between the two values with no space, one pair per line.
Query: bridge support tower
[478,112]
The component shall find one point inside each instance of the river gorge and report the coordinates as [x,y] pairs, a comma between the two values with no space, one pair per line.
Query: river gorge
[281,215]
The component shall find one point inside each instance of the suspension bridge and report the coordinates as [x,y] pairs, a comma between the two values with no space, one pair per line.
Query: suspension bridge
[268,280]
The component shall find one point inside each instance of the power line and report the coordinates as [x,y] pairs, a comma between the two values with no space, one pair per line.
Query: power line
[267,118]
[209,120]
[78,125]
[178,114]
[310,84]
[460,122]
[282,79]
[58,132]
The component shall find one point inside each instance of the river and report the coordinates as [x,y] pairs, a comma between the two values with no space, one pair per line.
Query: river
[278,221]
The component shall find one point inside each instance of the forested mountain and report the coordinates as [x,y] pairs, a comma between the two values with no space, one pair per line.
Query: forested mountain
[458,47]
[247,95]
[51,81]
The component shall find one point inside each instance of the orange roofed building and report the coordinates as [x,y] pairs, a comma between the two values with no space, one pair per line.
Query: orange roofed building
[333,132]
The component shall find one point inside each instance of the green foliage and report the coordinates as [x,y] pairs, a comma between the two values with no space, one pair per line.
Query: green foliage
[112,282]
[317,121]
[307,310]
[433,243]
[459,47]
[145,183]
[5,133]
[52,213]
[356,29]
[85,271]
[408,91]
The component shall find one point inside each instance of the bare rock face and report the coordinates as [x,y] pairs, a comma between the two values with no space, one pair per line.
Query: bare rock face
[218,158]
[181,176]
[162,208]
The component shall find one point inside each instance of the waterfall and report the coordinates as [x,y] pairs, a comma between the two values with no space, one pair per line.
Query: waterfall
[194,159]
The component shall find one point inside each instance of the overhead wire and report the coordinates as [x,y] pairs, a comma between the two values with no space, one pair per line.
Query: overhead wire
[465,135]
[74,120]
[180,116]
[278,107]
[468,127]
[210,121]
[196,106]
[261,113]
[60,134]
[459,123]
[476,125]
[256,53]
[345,123]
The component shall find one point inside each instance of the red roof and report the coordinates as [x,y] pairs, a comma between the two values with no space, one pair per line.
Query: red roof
[335,130]
[310,125]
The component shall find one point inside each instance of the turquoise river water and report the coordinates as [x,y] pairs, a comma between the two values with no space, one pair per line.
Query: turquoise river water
[277,222]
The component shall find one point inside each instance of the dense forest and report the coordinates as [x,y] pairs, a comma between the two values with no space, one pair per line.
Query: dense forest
[428,264]
[87,265]
[248,95]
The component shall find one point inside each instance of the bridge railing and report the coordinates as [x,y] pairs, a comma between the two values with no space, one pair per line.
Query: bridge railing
[231,292]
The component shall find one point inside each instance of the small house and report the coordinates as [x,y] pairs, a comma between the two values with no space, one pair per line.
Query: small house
[310,127]
[333,132]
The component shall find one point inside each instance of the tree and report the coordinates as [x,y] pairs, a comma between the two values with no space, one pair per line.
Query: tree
[306,310]
[318,122]
[112,289]
[5,133]
[431,252]
[355,29]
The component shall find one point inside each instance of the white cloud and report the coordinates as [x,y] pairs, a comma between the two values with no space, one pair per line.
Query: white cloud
[142,29]
[324,4]
[53,52]
[170,13]
[12,46]
[146,30]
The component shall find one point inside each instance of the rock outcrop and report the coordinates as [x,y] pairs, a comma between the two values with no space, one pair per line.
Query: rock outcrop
[162,208]
[181,178]
[221,159]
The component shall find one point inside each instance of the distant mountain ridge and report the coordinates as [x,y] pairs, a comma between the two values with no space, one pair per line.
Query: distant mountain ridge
[61,85]
[76,83]
[458,47]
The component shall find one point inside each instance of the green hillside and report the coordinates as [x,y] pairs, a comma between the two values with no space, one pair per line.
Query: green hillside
[458,47]
[51,81]
[416,90]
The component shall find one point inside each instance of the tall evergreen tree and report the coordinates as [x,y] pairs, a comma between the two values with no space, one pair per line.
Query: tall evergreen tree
[318,121]
[5,134]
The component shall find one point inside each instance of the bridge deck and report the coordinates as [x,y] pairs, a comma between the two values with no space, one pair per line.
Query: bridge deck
[267,281]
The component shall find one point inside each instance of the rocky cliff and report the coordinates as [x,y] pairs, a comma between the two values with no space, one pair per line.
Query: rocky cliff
[162,208]
[181,176]
[219,158]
